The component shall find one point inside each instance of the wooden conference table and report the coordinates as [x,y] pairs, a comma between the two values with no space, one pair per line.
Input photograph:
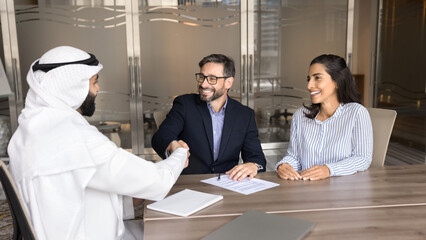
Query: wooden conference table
[382,203]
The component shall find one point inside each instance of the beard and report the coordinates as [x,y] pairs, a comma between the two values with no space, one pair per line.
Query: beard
[88,106]
[216,93]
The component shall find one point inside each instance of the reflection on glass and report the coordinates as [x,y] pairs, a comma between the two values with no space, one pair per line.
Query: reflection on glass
[288,35]
[95,28]
[401,83]
[174,38]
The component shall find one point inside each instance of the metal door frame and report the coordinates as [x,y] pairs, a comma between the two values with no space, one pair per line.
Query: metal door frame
[247,52]
[11,60]
[133,54]
[350,32]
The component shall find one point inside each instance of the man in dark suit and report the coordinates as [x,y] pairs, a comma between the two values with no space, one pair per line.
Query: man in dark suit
[215,127]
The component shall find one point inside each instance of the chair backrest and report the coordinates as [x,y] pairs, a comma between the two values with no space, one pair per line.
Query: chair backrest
[22,226]
[159,118]
[382,121]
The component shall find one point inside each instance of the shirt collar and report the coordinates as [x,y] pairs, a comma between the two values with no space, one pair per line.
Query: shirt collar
[335,114]
[221,110]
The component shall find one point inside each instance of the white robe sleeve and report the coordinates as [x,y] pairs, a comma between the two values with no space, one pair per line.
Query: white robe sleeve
[128,175]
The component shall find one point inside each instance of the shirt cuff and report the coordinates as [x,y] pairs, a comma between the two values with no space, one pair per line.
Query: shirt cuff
[167,152]
[293,163]
[176,162]
[278,164]
[331,170]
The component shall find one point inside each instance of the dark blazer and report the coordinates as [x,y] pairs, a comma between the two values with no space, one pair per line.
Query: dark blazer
[189,120]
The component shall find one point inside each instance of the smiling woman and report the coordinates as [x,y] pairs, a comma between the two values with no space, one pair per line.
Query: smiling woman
[323,90]
[330,83]
[333,136]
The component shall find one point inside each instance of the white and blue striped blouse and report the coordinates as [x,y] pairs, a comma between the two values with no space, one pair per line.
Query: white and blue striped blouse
[343,142]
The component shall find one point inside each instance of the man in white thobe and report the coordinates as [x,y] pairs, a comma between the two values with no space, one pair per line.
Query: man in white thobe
[75,182]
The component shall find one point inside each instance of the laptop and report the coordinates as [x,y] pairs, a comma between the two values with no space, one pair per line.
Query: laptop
[260,225]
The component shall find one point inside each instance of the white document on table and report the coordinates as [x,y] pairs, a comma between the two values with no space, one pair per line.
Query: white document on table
[185,202]
[245,187]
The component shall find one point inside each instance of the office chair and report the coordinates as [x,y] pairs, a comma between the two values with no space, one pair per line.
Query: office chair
[382,121]
[22,226]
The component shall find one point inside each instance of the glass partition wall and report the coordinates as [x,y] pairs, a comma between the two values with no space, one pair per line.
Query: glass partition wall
[401,84]
[288,35]
[98,28]
[174,37]
[150,51]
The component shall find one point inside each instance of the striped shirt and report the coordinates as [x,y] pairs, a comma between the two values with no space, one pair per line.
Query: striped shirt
[343,142]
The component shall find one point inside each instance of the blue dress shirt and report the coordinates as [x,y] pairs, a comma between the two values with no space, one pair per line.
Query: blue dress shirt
[217,124]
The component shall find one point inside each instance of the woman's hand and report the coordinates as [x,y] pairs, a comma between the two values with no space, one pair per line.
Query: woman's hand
[286,171]
[316,173]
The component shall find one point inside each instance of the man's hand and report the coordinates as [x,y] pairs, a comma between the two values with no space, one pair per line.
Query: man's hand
[177,144]
[287,172]
[239,172]
[316,173]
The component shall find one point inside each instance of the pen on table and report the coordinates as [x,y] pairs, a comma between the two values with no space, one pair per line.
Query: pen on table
[218,176]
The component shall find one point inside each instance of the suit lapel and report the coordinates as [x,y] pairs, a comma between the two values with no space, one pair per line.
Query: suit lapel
[207,122]
[227,125]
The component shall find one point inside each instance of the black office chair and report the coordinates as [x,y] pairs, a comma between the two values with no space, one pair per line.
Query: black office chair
[22,227]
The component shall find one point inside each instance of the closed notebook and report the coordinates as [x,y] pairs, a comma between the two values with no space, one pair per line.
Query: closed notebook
[259,225]
[185,202]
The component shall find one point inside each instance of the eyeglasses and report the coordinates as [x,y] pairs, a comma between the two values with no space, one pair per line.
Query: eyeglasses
[212,80]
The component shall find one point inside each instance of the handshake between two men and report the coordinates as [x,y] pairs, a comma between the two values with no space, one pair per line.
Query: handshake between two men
[237,173]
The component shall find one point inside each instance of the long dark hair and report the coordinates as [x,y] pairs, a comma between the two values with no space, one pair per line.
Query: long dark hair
[336,67]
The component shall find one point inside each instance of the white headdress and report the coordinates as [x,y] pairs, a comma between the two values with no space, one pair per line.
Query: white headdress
[60,78]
